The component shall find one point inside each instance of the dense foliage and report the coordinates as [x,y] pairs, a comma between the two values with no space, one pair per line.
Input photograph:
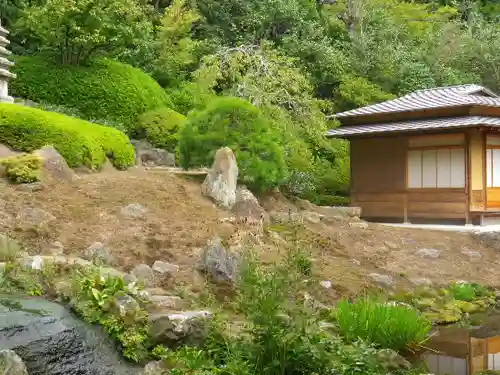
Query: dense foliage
[103,90]
[80,142]
[235,123]
[295,60]
[22,169]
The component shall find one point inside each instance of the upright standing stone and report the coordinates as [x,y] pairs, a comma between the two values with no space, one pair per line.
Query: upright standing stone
[5,64]
[221,180]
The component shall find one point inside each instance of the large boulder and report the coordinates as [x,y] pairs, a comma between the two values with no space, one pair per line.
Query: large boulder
[149,156]
[51,341]
[11,363]
[54,164]
[221,181]
[177,329]
[218,263]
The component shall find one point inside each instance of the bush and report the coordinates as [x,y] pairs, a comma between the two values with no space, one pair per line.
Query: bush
[160,127]
[105,89]
[22,169]
[81,143]
[239,125]
[394,327]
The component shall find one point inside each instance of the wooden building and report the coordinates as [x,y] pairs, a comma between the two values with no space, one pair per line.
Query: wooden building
[430,155]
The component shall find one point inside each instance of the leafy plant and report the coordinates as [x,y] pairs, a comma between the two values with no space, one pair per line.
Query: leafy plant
[95,301]
[390,326]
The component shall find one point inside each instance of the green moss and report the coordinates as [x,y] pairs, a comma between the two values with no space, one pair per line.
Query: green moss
[22,169]
[160,127]
[81,143]
[104,90]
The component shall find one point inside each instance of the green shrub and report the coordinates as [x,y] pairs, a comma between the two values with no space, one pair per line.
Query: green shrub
[105,89]
[468,291]
[389,326]
[160,127]
[22,169]
[237,124]
[81,143]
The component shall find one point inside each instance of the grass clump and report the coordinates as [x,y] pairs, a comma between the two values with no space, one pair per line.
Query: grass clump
[81,143]
[9,249]
[390,326]
[22,169]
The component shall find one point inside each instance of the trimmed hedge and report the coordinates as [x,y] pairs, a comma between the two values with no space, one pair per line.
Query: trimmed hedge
[80,142]
[160,127]
[104,90]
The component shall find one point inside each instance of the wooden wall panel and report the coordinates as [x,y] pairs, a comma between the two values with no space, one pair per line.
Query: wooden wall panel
[378,165]
[437,203]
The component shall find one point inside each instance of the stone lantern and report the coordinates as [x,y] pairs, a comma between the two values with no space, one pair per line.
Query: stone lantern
[5,64]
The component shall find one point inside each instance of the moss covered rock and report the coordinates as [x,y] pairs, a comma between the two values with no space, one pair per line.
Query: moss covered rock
[104,90]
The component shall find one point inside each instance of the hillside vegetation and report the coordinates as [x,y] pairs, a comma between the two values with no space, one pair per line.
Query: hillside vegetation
[303,293]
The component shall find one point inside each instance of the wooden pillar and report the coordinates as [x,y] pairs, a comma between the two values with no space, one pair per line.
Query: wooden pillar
[467,178]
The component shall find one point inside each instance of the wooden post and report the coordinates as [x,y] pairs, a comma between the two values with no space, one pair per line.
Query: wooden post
[467,178]
[405,209]
[478,355]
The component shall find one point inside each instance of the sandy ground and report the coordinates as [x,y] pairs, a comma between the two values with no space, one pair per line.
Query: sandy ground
[180,221]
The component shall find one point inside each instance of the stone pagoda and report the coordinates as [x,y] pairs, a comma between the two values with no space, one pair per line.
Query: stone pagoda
[5,64]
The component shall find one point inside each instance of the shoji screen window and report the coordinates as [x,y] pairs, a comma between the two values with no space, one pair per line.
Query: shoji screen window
[493,162]
[436,166]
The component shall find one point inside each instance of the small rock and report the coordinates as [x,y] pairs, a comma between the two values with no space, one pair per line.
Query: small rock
[125,304]
[156,291]
[11,363]
[312,217]
[34,263]
[164,268]
[134,211]
[35,217]
[384,280]
[356,262]
[247,208]
[391,245]
[144,274]
[112,272]
[358,225]
[391,360]
[185,328]
[156,368]
[100,255]
[472,253]
[429,253]
[421,281]
[167,302]
[221,180]
[57,248]
[327,284]
[147,155]
[32,187]
[218,263]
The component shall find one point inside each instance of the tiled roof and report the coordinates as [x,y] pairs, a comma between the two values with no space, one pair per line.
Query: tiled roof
[430,98]
[405,126]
